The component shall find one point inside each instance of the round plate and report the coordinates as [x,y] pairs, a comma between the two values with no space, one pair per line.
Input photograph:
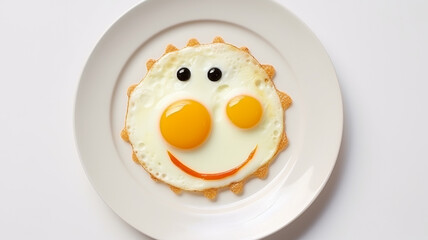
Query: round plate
[313,122]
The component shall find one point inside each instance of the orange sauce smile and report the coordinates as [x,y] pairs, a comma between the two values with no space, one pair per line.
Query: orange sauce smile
[210,176]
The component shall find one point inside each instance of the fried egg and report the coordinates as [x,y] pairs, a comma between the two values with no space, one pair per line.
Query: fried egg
[205,117]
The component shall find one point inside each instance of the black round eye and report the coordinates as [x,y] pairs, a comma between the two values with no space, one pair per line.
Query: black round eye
[183,74]
[214,74]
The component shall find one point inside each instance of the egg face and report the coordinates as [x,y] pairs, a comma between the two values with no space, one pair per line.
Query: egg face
[205,117]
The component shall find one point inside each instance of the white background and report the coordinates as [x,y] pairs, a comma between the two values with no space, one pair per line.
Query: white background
[378,189]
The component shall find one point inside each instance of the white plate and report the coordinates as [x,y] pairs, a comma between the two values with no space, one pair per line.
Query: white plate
[274,36]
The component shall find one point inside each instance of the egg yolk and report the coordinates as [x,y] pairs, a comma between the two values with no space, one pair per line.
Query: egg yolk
[244,111]
[185,124]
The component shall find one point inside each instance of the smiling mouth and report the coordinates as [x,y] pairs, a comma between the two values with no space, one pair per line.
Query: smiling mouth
[210,176]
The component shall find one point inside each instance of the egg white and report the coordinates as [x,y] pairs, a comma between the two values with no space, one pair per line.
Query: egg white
[227,145]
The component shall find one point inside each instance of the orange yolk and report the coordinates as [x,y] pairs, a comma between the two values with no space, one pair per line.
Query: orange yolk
[185,124]
[244,111]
